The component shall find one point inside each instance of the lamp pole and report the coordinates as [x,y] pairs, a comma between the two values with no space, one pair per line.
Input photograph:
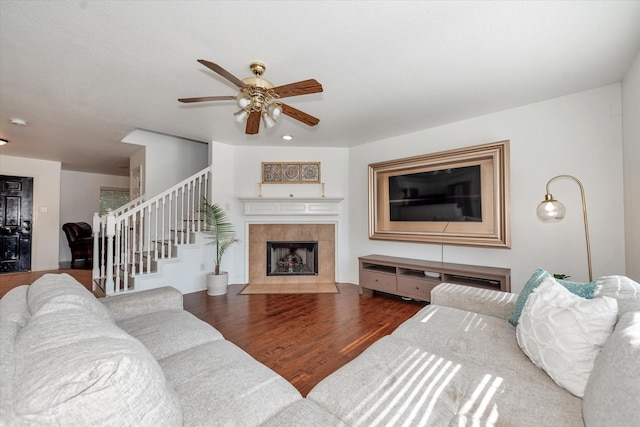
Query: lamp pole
[550,210]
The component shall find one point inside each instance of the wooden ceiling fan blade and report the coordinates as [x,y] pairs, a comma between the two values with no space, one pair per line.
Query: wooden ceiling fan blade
[224,73]
[253,123]
[299,115]
[207,98]
[304,87]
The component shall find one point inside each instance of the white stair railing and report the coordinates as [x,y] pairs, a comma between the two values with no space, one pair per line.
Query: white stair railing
[130,243]
[124,208]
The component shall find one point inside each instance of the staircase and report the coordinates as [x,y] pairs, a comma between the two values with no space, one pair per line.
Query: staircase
[157,242]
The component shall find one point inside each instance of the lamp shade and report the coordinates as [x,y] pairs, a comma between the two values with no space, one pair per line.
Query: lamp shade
[550,210]
[241,116]
[274,111]
[268,121]
[243,101]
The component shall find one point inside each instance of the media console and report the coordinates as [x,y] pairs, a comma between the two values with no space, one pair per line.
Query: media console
[414,278]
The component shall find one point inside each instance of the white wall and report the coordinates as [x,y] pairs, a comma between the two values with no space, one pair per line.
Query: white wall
[631,135]
[168,159]
[236,172]
[80,198]
[579,135]
[46,206]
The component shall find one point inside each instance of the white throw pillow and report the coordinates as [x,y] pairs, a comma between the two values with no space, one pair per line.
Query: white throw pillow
[563,333]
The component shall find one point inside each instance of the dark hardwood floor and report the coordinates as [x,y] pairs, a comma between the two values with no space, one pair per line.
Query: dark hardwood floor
[302,337]
[9,281]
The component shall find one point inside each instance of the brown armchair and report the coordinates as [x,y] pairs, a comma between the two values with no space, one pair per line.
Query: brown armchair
[79,236]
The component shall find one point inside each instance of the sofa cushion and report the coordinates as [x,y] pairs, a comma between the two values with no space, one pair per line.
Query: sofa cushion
[63,287]
[395,382]
[585,290]
[168,332]
[611,395]
[490,344]
[14,314]
[483,301]
[134,304]
[466,334]
[219,384]
[73,367]
[303,412]
[622,289]
[563,333]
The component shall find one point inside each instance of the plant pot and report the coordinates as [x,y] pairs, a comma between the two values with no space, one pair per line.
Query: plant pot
[217,284]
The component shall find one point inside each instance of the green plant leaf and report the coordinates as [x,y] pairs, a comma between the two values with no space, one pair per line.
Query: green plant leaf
[219,228]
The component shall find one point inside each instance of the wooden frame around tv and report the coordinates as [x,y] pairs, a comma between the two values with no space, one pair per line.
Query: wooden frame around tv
[493,230]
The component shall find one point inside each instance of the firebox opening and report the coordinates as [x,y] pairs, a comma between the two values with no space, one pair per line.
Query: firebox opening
[292,258]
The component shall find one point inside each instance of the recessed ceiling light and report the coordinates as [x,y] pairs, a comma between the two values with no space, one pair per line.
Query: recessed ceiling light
[287,137]
[19,122]
[4,141]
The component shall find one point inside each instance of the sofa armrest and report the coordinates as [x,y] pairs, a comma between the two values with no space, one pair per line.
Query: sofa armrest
[138,303]
[482,301]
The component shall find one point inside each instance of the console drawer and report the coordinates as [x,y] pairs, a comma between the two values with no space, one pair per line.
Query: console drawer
[417,288]
[378,281]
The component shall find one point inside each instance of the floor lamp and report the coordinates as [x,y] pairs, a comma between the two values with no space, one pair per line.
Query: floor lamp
[551,210]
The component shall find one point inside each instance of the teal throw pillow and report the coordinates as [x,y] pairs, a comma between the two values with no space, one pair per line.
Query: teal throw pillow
[584,290]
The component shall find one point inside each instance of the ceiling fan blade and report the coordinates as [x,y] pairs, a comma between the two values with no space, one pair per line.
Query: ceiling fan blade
[304,87]
[299,115]
[253,123]
[224,73]
[207,98]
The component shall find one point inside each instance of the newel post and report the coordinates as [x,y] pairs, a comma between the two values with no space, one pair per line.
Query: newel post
[111,232]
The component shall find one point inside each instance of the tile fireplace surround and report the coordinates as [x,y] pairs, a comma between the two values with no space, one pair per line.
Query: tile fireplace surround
[260,234]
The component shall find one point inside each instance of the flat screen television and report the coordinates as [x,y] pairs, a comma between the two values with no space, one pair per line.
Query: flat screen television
[452,195]
[457,197]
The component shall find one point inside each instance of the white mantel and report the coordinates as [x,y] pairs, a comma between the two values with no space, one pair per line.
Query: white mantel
[291,205]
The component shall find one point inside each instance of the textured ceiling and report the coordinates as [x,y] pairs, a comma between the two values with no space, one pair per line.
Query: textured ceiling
[83,74]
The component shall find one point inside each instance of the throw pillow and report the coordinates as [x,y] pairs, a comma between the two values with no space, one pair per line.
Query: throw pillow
[622,289]
[585,290]
[563,333]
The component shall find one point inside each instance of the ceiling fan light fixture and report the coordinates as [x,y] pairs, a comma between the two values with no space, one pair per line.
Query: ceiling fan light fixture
[274,110]
[243,101]
[241,116]
[258,97]
[268,121]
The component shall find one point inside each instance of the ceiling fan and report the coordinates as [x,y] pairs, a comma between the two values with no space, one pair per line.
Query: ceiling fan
[258,98]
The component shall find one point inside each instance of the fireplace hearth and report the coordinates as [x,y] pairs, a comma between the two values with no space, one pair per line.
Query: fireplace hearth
[292,258]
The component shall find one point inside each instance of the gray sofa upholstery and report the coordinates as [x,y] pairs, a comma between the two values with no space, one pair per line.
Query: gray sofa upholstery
[457,363]
[67,358]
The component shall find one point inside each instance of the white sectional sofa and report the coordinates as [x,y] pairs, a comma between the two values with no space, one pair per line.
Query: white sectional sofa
[140,359]
[457,363]
[69,359]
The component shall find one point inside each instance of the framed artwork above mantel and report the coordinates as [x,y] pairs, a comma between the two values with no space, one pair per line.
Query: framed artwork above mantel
[291,173]
[455,197]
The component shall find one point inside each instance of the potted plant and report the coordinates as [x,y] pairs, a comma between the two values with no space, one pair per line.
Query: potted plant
[220,230]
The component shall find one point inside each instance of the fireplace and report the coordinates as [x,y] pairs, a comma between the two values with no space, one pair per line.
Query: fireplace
[292,258]
[322,257]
